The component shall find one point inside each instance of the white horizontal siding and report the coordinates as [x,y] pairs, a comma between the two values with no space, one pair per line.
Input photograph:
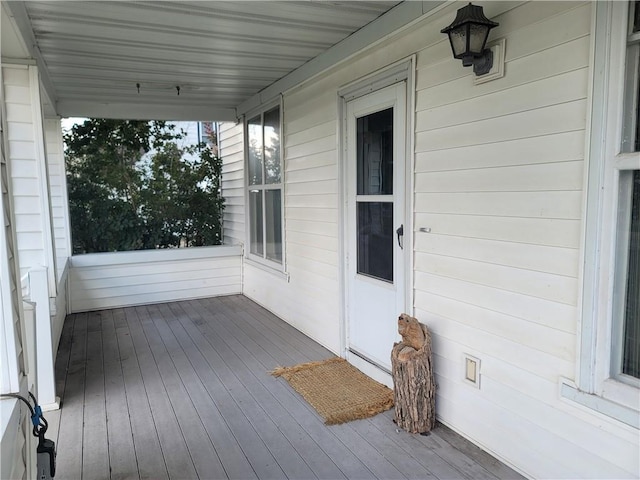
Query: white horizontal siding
[13,440]
[232,154]
[307,302]
[499,185]
[17,445]
[22,154]
[108,280]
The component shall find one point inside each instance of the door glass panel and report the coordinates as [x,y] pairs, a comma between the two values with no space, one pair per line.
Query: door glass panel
[254,137]
[272,146]
[255,217]
[375,153]
[273,220]
[375,239]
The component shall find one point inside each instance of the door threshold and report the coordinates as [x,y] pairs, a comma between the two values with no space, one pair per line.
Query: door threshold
[370,368]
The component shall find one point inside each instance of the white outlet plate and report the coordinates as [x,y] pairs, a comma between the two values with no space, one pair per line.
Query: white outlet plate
[471,370]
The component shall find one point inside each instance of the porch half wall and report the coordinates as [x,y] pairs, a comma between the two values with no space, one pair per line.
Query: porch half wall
[498,175]
[110,280]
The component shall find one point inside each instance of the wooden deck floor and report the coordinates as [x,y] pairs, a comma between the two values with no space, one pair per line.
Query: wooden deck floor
[181,390]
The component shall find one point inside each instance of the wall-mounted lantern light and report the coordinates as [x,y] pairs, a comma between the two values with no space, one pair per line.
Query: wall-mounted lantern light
[468,36]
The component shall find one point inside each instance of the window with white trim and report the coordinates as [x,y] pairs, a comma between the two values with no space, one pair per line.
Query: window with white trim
[609,369]
[264,186]
[625,361]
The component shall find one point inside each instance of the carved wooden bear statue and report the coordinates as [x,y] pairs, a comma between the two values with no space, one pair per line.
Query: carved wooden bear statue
[411,331]
[413,380]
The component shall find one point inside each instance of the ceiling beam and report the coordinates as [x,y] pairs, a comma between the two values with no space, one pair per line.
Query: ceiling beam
[18,12]
[397,18]
[144,111]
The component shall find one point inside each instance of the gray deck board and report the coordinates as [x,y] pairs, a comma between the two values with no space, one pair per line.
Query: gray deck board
[149,454]
[70,433]
[174,447]
[120,437]
[95,460]
[261,360]
[236,357]
[183,390]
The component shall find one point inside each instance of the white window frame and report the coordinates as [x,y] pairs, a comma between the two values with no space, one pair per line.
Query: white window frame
[599,385]
[257,260]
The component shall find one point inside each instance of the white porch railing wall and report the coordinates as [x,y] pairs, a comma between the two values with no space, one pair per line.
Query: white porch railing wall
[41,326]
[111,280]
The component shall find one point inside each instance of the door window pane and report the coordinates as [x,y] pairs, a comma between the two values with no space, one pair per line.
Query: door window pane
[255,144]
[255,217]
[272,146]
[631,339]
[273,220]
[375,239]
[375,153]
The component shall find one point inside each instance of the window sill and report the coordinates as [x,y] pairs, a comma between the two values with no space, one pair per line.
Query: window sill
[627,414]
[272,268]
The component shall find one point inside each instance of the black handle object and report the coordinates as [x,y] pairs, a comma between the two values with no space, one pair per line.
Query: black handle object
[46,459]
[400,233]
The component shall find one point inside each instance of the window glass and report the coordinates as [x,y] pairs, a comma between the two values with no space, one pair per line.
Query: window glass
[254,134]
[375,153]
[265,186]
[273,218]
[631,339]
[255,218]
[272,146]
[627,287]
[375,239]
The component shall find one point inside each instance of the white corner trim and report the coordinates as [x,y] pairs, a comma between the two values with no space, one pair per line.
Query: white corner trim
[39,141]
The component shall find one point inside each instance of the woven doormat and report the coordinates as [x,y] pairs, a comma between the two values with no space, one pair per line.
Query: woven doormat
[337,390]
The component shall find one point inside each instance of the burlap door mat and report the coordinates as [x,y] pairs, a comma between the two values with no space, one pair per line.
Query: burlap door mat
[337,390]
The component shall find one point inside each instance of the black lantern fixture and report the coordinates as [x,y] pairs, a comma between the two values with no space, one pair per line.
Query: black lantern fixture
[468,36]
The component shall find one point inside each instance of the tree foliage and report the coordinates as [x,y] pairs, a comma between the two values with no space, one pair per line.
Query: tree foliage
[132,187]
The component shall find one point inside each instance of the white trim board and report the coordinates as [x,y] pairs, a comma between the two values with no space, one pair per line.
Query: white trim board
[160,255]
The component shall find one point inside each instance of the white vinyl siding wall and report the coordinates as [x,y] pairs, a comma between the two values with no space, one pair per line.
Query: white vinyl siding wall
[26,155]
[233,183]
[110,280]
[499,179]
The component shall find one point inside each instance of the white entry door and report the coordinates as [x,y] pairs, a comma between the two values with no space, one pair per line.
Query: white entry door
[375,156]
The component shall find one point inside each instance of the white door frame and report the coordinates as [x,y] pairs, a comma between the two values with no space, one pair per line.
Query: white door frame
[402,71]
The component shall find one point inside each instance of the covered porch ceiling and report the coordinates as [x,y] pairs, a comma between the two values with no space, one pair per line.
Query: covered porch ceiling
[121,59]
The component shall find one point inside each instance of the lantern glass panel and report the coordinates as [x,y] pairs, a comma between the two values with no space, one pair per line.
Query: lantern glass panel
[478,38]
[458,39]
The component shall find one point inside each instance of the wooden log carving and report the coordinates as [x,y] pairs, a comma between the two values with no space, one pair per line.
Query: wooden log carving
[414,388]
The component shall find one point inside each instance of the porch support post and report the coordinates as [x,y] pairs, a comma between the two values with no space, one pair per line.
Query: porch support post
[44,340]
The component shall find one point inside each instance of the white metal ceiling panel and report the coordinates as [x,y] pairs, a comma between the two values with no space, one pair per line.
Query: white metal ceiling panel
[124,57]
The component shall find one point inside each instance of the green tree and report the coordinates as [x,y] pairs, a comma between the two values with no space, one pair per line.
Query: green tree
[123,198]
